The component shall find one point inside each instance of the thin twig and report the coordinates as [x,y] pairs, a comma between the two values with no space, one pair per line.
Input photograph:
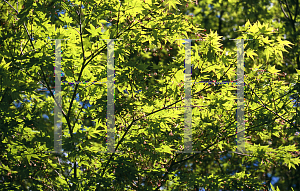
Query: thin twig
[262,103]
[288,8]
[283,9]
[11,6]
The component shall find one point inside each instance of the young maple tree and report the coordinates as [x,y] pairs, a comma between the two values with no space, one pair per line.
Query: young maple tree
[149,100]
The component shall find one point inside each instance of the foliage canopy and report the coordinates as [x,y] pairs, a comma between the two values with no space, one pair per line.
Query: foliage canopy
[149,84]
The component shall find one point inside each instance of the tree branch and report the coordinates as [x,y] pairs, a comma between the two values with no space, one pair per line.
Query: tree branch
[60,106]
[262,103]
[3,95]
[288,8]
[11,6]
[118,19]
[219,165]
[23,24]
[80,74]
[291,18]
[80,25]
[283,9]
[296,12]
[205,149]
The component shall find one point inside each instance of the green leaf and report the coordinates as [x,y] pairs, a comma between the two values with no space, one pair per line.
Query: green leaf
[273,189]
[273,70]
[4,65]
[173,3]
[251,53]
[268,52]
[166,149]
[66,18]
[94,31]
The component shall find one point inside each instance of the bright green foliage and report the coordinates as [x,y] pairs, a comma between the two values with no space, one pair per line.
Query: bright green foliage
[277,189]
[149,129]
[226,16]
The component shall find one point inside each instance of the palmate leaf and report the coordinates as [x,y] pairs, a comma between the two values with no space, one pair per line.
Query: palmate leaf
[65,18]
[165,149]
[93,31]
[268,52]
[172,4]
[251,53]
[4,65]
[273,70]
[137,7]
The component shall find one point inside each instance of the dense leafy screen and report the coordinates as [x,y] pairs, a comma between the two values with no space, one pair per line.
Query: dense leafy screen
[149,99]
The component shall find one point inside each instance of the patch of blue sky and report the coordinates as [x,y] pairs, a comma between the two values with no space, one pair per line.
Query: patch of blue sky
[297,104]
[17,104]
[233,172]
[274,180]
[61,13]
[86,105]
[45,116]
[77,97]
[256,163]
[270,6]
[108,24]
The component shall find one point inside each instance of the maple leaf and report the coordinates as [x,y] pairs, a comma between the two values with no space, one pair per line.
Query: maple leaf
[273,70]
[172,3]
